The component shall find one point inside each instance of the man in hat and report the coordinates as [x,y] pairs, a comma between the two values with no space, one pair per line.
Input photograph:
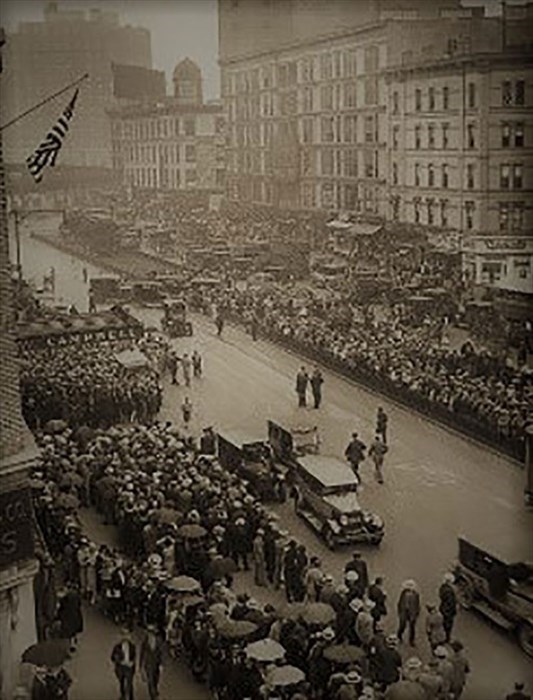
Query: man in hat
[359,565]
[382,420]
[316,386]
[377,453]
[386,662]
[378,596]
[445,669]
[302,380]
[408,610]
[461,669]
[448,604]
[434,626]
[208,442]
[351,687]
[123,657]
[355,453]
[150,660]
[431,681]
[518,693]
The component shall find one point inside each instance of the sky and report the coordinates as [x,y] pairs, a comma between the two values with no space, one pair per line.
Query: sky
[179,28]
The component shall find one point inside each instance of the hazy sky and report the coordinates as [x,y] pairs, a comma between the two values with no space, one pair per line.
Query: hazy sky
[179,28]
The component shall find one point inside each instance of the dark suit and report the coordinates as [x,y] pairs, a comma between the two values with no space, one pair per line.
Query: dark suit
[123,670]
[150,662]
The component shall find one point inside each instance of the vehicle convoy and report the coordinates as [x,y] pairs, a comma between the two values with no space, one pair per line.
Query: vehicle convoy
[501,592]
[174,321]
[324,489]
[251,458]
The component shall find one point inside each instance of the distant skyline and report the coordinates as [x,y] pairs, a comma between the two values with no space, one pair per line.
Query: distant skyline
[178,28]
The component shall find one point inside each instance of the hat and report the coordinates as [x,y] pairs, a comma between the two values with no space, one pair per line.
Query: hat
[409,585]
[441,652]
[352,677]
[412,664]
[328,633]
[351,575]
[356,604]
[392,640]
[448,577]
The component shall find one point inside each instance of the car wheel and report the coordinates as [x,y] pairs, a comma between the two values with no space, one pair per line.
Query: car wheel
[329,538]
[525,637]
[465,593]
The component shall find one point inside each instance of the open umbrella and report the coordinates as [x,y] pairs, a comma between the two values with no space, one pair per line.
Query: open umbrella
[67,501]
[51,653]
[222,566]
[236,629]
[292,611]
[55,426]
[343,653]
[318,614]
[405,690]
[167,516]
[265,650]
[192,531]
[285,675]
[183,584]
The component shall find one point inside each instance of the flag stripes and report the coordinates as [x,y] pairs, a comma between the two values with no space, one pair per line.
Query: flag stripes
[47,151]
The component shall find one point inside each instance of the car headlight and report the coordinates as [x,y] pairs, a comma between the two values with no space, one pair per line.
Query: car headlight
[343,520]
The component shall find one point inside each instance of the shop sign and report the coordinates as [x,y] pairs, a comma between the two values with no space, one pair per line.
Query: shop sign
[16,527]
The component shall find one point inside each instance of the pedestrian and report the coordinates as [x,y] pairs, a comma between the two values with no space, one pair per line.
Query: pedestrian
[50,683]
[186,410]
[359,565]
[291,571]
[172,366]
[150,659]
[314,579]
[253,326]
[240,544]
[123,657]
[445,669]
[186,368]
[382,420]
[302,380]
[378,450]
[355,453]
[518,693]
[434,627]
[219,322]
[208,442]
[258,551]
[197,364]
[377,595]
[431,680]
[316,386]
[461,669]
[408,610]
[448,603]
[70,616]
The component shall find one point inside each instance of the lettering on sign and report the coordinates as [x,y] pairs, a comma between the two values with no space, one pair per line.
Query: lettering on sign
[16,527]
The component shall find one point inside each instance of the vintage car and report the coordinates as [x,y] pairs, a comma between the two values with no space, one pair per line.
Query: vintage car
[174,321]
[148,293]
[290,442]
[325,495]
[251,458]
[501,592]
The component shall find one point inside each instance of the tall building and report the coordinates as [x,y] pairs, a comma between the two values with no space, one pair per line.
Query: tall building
[42,57]
[17,452]
[171,143]
[403,111]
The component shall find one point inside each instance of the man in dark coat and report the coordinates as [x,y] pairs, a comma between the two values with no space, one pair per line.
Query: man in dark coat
[448,604]
[408,610]
[70,615]
[382,420]
[123,657]
[378,596]
[316,386]
[150,660]
[355,453]
[358,564]
[290,572]
[302,380]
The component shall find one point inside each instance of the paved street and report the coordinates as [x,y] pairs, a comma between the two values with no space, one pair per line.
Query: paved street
[438,485]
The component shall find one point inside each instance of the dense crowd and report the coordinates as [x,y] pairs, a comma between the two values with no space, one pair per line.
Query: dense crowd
[86,384]
[186,527]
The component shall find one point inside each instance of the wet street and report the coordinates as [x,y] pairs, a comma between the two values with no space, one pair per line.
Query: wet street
[438,485]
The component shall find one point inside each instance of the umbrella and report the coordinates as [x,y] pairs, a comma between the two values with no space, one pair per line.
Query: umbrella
[318,614]
[192,531]
[406,690]
[236,629]
[68,501]
[51,653]
[169,516]
[222,566]
[285,675]
[292,611]
[55,426]
[265,650]
[183,584]
[343,653]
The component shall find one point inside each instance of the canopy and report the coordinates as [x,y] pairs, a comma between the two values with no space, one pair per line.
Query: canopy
[265,650]
[285,675]
[132,359]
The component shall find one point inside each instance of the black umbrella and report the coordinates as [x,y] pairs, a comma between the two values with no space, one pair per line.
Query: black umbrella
[51,653]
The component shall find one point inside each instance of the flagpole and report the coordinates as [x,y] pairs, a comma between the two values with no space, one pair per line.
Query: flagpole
[43,102]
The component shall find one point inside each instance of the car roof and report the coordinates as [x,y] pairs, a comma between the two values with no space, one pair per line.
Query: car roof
[240,437]
[329,471]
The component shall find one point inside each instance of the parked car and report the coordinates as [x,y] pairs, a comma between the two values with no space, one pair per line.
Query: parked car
[501,592]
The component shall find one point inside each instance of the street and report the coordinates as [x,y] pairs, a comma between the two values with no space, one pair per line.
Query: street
[437,485]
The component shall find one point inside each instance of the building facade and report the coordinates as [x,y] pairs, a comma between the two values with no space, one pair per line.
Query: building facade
[173,143]
[42,57]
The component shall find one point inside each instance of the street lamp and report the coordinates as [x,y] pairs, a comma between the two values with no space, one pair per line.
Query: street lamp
[19,217]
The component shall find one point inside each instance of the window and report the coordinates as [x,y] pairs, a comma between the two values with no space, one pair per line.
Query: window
[371,90]
[471,95]
[444,168]
[517,216]
[417,175]
[431,99]
[429,205]
[431,175]
[417,136]
[371,59]
[327,161]
[350,163]
[326,97]
[520,92]
[350,197]
[190,153]
[350,64]
[350,128]
[395,136]
[444,212]
[445,131]
[307,99]
[431,136]
[519,135]
[470,136]
[506,135]
[190,176]
[469,215]
[503,216]
[189,127]
[505,180]
[416,206]
[395,102]
[350,95]
[445,97]
[396,208]
[418,100]
[327,129]
[369,163]
[517,176]
[395,173]
[369,129]
[470,176]
[325,66]
[507,93]
[307,130]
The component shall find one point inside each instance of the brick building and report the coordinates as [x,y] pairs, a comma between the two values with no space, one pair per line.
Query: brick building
[171,143]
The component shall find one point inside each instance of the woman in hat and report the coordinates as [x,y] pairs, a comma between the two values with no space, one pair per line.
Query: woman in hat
[434,627]
[260,576]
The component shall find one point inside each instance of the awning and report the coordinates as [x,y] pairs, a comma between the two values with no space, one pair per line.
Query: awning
[132,359]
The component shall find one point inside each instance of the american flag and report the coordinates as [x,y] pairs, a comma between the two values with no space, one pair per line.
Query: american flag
[46,153]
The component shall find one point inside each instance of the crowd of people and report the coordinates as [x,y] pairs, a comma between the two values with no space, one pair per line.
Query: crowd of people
[186,526]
